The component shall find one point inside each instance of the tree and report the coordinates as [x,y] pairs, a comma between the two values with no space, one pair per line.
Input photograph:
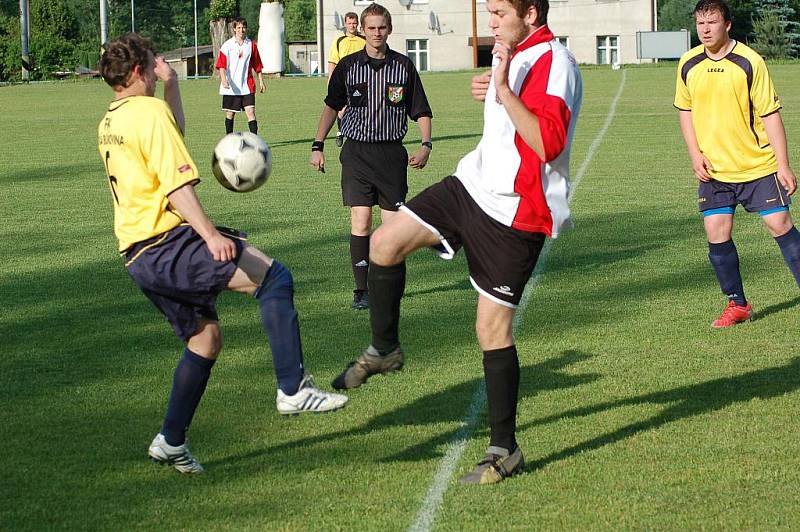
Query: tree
[775,32]
[676,15]
[218,14]
[298,20]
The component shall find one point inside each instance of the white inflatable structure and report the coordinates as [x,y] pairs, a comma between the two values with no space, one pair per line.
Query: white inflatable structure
[271,37]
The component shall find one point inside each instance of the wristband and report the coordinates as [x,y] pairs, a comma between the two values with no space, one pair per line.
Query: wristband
[317,145]
[428,144]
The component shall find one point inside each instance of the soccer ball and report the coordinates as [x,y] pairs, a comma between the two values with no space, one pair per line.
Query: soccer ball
[241,161]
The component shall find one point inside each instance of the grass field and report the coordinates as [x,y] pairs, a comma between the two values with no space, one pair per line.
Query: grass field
[634,414]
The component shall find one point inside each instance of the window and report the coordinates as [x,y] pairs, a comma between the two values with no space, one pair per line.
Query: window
[563,41]
[607,49]
[417,51]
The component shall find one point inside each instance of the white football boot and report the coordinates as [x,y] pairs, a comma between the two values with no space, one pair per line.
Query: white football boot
[178,457]
[309,398]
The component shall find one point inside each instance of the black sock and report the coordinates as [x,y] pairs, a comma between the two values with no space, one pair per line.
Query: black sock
[359,259]
[725,260]
[253,125]
[338,123]
[501,370]
[790,247]
[188,385]
[228,125]
[386,287]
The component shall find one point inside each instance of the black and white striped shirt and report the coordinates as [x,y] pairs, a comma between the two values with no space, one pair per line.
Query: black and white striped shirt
[380,95]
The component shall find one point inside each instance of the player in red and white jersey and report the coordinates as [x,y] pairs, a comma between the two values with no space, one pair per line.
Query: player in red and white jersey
[504,199]
[237,61]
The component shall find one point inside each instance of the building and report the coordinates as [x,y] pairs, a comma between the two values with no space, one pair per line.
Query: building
[437,34]
[182,61]
[302,57]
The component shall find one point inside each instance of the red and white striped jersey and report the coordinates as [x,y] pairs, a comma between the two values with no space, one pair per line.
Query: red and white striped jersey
[239,61]
[503,174]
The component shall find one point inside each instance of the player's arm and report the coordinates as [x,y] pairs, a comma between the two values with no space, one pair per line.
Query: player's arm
[480,85]
[331,68]
[700,164]
[261,86]
[223,77]
[326,120]
[172,94]
[420,158]
[186,202]
[776,134]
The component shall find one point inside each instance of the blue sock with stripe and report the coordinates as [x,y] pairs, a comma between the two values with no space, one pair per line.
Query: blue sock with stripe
[725,260]
[790,248]
[279,319]
[188,384]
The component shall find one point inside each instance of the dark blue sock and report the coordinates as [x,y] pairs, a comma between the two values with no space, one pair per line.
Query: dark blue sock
[188,385]
[725,260]
[790,247]
[279,319]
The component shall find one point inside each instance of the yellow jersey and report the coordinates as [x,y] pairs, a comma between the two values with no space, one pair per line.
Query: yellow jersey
[145,159]
[345,45]
[728,99]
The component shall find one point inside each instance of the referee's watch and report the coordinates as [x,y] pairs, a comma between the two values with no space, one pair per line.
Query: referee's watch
[428,144]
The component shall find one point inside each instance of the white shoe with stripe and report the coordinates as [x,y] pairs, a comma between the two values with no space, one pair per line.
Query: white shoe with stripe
[309,398]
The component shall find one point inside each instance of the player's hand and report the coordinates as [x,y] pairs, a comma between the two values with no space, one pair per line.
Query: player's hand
[317,161]
[261,87]
[503,54]
[164,71]
[788,180]
[221,248]
[480,85]
[225,84]
[702,168]
[419,159]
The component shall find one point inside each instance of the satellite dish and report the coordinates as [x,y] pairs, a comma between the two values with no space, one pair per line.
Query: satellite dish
[433,23]
[406,3]
[337,20]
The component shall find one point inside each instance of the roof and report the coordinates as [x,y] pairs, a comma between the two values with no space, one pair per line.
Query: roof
[180,53]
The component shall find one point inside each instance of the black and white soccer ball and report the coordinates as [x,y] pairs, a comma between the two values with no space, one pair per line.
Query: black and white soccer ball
[242,161]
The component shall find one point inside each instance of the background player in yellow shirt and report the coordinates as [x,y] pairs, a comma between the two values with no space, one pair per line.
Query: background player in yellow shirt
[730,121]
[176,256]
[349,43]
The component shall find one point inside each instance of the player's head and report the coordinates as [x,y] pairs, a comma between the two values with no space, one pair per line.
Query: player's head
[127,61]
[511,21]
[713,21]
[239,27]
[351,23]
[376,24]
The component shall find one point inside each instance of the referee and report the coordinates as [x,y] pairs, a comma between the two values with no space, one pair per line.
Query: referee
[381,89]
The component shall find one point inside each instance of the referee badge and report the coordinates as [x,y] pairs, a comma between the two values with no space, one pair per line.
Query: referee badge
[395,93]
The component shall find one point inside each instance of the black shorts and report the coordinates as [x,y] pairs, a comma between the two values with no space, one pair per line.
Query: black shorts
[237,102]
[176,271]
[374,173]
[763,194]
[500,258]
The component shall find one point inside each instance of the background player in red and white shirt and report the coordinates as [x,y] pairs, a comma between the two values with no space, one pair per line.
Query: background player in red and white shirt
[237,61]
[506,196]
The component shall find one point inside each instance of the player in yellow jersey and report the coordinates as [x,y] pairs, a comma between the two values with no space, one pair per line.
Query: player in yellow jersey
[344,45]
[731,123]
[176,256]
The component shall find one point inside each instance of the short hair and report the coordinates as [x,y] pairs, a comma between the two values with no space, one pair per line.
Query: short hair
[121,56]
[377,10]
[351,15]
[542,7]
[706,6]
[238,20]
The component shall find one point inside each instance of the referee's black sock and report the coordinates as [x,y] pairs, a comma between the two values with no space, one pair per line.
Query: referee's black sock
[359,259]
[386,287]
[501,370]
[725,259]
[253,126]
[188,384]
[789,243]
[228,125]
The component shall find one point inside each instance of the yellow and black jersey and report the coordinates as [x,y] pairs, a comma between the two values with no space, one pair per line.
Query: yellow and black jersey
[728,99]
[345,45]
[145,159]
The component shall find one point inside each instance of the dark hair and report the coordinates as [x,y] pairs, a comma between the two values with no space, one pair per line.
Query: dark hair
[121,56]
[377,10]
[350,14]
[238,20]
[705,6]
[542,7]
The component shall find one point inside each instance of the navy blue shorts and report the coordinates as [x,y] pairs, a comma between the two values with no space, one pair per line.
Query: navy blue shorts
[176,271]
[374,173]
[500,258]
[763,194]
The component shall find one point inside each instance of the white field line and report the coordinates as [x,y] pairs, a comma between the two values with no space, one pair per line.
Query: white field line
[433,498]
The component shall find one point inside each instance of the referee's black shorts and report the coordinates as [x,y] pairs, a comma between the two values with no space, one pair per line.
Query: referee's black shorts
[374,173]
[500,258]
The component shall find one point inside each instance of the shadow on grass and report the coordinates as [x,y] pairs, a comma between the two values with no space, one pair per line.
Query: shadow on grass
[447,406]
[690,401]
[778,307]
